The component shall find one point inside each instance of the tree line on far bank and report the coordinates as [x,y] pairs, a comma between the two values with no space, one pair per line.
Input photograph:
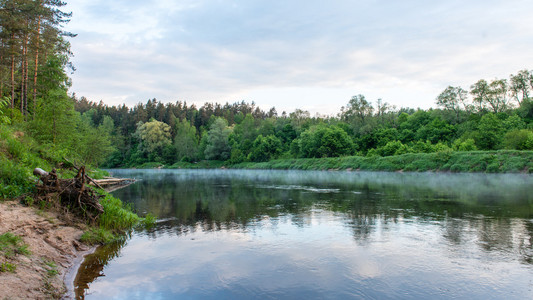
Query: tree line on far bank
[490,116]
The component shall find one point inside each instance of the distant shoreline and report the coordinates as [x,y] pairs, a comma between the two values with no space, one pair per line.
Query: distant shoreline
[504,161]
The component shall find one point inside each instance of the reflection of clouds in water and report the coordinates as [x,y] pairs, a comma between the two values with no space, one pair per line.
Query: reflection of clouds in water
[297,187]
[400,256]
[339,232]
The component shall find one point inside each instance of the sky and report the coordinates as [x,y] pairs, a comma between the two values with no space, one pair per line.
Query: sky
[306,54]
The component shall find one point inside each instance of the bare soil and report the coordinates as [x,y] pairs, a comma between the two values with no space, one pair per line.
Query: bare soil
[52,240]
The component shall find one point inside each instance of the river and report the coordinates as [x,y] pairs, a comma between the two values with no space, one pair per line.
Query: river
[234,234]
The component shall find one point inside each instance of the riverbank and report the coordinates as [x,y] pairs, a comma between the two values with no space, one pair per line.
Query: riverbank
[53,248]
[504,161]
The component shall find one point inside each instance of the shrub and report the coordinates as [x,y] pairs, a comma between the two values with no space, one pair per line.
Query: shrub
[393,148]
[518,140]
[464,145]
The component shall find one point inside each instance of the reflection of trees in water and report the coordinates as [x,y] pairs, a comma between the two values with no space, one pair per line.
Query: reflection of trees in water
[494,234]
[204,202]
[526,243]
[486,218]
[94,264]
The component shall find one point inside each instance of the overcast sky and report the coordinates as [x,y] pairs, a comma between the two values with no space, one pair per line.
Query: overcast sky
[306,54]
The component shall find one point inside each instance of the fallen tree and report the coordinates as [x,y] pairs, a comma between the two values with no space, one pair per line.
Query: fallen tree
[74,195]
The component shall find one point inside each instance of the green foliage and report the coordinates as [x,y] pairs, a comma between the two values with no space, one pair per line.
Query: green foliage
[357,111]
[19,155]
[453,99]
[393,148]
[217,147]
[446,160]
[116,219]
[154,136]
[241,132]
[3,105]
[265,148]
[436,131]
[490,131]
[422,147]
[186,142]
[325,141]
[94,143]
[56,120]
[95,236]
[385,135]
[464,145]
[519,140]
[203,164]
[117,216]
[149,221]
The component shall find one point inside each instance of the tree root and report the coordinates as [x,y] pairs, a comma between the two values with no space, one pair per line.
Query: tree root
[74,194]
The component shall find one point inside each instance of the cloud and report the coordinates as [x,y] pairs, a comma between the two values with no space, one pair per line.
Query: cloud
[217,50]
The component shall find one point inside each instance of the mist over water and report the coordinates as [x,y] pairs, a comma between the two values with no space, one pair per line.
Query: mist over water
[232,234]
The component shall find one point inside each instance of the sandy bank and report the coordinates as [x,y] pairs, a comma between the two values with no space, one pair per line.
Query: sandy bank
[51,241]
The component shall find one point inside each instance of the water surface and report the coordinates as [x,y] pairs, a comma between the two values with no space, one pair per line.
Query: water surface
[227,234]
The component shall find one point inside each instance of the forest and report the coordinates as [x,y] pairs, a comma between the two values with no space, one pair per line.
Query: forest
[491,115]
[35,101]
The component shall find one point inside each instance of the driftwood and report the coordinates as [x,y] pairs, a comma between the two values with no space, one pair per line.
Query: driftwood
[114,181]
[73,194]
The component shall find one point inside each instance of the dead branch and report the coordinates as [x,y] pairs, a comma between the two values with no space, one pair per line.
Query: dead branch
[73,194]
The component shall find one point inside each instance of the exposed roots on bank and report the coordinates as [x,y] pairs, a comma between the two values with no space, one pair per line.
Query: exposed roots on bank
[74,195]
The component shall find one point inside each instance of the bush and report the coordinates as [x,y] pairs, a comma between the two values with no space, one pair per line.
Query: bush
[464,145]
[324,141]
[518,140]
[265,148]
[393,148]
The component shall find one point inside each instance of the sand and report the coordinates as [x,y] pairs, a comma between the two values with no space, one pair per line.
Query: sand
[50,240]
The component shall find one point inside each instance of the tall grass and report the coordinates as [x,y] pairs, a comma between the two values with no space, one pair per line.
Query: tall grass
[18,157]
[505,161]
[117,216]
[117,219]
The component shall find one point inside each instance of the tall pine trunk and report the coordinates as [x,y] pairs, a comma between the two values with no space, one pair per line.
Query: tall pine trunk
[12,74]
[2,75]
[25,78]
[36,67]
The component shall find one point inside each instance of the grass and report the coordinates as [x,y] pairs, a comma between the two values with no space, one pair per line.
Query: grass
[10,246]
[116,219]
[51,268]
[204,164]
[7,267]
[149,221]
[117,216]
[98,235]
[19,155]
[507,161]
